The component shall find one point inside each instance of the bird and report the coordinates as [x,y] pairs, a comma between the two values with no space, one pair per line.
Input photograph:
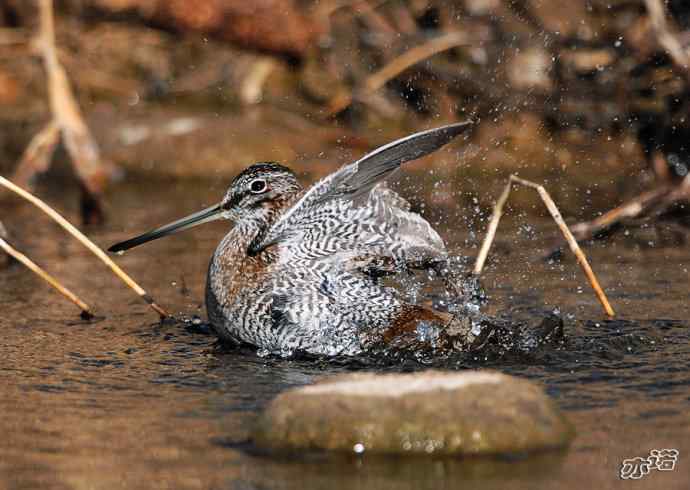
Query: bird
[300,271]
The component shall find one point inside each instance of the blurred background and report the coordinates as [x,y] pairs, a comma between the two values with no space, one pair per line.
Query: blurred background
[589,98]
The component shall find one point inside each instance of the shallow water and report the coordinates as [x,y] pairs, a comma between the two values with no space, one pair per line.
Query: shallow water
[125,402]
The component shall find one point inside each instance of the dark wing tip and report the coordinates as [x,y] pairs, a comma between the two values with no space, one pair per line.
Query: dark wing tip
[459,127]
[426,142]
[452,130]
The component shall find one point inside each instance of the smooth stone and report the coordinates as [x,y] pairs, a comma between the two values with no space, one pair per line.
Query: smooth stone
[430,412]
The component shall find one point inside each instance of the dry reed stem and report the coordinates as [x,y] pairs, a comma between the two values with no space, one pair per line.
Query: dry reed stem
[86,242]
[391,70]
[37,156]
[681,191]
[66,123]
[325,10]
[493,226]
[555,213]
[252,87]
[655,201]
[629,210]
[33,267]
[666,37]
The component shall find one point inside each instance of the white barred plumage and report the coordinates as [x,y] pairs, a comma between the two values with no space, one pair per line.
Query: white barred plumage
[300,269]
[316,294]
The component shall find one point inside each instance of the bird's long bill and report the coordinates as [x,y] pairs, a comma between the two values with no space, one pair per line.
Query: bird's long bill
[209,214]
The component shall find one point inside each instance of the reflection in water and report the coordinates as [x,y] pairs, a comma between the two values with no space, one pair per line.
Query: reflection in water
[127,402]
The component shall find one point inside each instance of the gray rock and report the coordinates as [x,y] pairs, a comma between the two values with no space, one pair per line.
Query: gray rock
[431,412]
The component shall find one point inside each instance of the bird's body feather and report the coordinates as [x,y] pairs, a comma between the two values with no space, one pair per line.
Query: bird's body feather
[300,268]
[317,292]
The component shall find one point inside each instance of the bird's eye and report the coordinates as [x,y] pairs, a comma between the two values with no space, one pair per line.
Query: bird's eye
[258,186]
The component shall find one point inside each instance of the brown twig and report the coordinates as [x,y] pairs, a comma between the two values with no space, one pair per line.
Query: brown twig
[86,242]
[657,201]
[325,10]
[491,231]
[252,87]
[666,37]
[37,156]
[681,191]
[630,210]
[391,70]
[551,206]
[66,123]
[404,21]
[3,234]
[33,267]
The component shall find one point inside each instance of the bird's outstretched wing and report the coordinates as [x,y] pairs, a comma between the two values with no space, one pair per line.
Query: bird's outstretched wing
[354,180]
[379,235]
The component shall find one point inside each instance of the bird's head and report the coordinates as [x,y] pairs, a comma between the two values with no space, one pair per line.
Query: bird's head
[257,194]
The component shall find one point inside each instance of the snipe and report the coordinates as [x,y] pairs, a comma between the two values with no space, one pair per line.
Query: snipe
[300,269]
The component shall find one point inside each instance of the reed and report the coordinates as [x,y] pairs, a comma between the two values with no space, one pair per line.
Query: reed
[72,230]
[36,269]
[555,213]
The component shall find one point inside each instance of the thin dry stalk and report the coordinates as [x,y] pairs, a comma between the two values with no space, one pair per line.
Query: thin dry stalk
[33,267]
[412,57]
[404,20]
[655,201]
[252,87]
[493,226]
[326,10]
[666,37]
[4,259]
[681,192]
[629,210]
[555,213]
[391,70]
[37,156]
[86,242]
[66,123]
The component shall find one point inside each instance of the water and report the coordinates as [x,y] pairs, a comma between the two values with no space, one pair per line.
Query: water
[126,402]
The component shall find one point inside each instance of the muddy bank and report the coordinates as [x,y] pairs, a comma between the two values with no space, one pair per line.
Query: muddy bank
[577,98]
[154,142]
